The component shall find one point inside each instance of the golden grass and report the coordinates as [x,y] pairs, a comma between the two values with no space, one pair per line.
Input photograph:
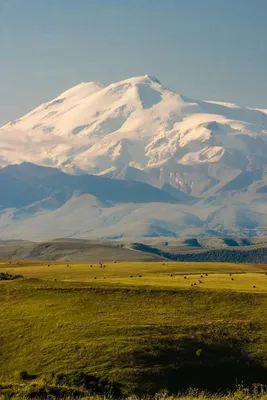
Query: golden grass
[240,277]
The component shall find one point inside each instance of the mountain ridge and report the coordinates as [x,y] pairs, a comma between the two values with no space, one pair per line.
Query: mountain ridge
[48,180]
[133,160]
[137,122]
[42,203]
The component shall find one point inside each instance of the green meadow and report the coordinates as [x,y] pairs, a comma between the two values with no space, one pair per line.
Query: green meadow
[132,329]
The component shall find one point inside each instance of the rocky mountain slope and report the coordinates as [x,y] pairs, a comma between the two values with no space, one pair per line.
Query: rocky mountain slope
[138,129]
[133,160]
[40,203]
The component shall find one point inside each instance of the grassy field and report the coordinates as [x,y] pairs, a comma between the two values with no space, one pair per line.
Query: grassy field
[137,328]
[221,276]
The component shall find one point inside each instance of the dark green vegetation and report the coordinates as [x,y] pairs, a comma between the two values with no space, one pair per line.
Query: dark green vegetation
[8,277]
[120,337]
[236,255]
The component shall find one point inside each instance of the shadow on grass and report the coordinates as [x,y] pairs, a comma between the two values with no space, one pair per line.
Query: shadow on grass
[178,365]
[92,384]
[61,386]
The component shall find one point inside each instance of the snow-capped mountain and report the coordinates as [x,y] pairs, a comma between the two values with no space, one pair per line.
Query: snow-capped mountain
[138,129]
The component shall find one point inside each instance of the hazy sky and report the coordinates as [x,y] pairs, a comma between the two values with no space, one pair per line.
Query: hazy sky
[207,49]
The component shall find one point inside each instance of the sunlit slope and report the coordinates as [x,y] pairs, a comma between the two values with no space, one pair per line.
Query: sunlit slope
[140,123]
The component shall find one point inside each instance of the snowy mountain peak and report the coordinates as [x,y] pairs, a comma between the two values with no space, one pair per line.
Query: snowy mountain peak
[164,137]
[135,80]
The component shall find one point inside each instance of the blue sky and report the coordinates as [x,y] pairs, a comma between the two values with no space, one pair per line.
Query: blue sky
[205,49]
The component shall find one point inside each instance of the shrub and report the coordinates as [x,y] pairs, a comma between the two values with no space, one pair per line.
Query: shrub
[198,352]
[25,376]
[8,277]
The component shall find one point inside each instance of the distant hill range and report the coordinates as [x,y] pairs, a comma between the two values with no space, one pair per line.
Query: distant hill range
[79,250]
[42,203]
